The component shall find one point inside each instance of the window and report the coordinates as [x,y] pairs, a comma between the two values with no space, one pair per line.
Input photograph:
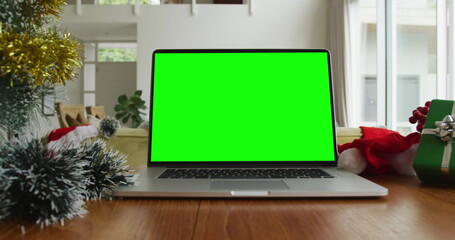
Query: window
[396,60]
[96,52]
[415,57]
[117,52]
[89,74]
[369,113]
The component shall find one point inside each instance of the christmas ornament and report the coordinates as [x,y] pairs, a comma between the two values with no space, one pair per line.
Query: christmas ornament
[109,126]
[419,116]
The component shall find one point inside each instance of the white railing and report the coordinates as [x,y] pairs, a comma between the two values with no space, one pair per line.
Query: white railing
[136,5]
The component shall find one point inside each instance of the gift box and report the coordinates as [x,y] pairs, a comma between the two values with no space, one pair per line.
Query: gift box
[435,158]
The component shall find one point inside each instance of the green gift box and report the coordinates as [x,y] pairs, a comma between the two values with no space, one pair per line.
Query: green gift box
[435,158]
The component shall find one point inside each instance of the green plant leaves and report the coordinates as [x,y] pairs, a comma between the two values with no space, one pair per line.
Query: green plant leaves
[122,98]
[125,119]
[120,115]
[130,108]
[137,101]
[118,108]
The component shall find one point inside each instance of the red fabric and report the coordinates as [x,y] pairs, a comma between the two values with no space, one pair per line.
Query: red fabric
[372,132]
[60,132]
[377,141]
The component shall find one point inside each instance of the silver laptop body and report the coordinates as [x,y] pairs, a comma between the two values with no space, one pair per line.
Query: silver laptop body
[241,109]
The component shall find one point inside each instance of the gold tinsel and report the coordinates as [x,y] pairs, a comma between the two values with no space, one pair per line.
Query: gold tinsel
[36,10]
[50,7]
[44,57]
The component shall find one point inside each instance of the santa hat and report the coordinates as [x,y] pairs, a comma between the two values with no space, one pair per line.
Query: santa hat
[379,151]
[70,136]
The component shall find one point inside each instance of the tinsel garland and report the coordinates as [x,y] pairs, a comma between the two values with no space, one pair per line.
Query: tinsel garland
[36,183]
[33,58]
[44,57]
[109,126]
[106,168]
[31,53]
[41,185]
[20,107]
[23,15]
[49,186]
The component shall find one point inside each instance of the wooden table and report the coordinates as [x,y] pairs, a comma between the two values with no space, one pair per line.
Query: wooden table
[411,211]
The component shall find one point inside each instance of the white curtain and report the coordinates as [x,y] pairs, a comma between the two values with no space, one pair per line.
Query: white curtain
[342,45]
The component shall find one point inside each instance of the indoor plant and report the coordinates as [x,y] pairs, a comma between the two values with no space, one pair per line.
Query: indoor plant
[130,108]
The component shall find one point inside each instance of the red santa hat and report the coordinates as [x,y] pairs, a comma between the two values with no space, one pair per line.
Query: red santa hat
[380,151]
[70,136]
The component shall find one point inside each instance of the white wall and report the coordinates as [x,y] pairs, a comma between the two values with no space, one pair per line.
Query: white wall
[69,94]
[112,80]
[73,91]
[274,24]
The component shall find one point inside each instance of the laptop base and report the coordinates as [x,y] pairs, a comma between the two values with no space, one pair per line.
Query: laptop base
[344,184]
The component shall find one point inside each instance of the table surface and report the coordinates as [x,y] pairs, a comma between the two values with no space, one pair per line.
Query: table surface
[411,211]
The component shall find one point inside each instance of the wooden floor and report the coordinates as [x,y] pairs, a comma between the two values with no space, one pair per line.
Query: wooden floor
[410,211]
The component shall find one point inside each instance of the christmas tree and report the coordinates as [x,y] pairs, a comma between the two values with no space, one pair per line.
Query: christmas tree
[39,183]
[34,58]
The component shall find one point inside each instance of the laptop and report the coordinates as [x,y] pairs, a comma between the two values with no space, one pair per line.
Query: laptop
[243,123]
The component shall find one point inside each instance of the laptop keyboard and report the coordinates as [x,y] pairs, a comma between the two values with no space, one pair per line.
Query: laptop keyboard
[245,173]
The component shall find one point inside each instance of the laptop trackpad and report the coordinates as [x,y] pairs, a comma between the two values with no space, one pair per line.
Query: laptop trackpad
[248,185]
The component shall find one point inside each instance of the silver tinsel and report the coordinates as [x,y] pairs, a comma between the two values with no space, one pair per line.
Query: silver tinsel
[20,108]
[109,126]
[50,186]
[106,168]
[41,185]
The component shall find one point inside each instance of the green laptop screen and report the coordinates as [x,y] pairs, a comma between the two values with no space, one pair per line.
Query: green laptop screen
[241,106]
